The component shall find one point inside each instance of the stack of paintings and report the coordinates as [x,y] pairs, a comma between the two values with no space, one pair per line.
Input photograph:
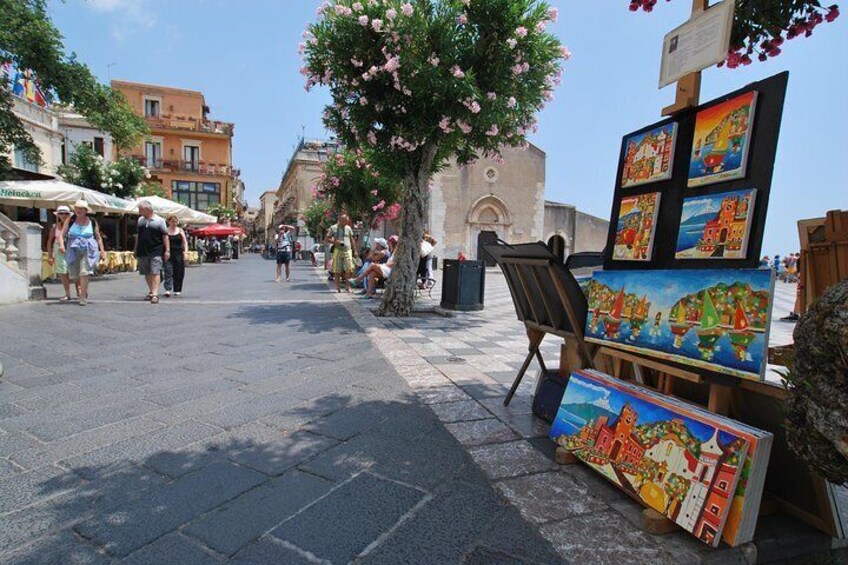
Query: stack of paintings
[716,319]
[703,471]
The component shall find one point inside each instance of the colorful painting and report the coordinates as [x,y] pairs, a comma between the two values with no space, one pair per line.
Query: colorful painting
[25,85]
[682,463]
[722,139]
[637,223]
[716,319]
[716,226]
[649,156]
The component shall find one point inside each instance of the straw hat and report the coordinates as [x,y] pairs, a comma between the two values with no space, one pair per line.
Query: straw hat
[82,204]
[62,210]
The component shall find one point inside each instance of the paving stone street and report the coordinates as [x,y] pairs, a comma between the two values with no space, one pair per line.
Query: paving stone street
[254,422]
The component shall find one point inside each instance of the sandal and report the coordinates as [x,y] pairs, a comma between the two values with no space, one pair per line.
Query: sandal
[65,299]
[148,297]
[154,300]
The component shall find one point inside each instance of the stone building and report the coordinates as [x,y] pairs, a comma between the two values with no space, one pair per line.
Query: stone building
[478,204]
[77,132]
[265,217]
[294,194]
[567,230]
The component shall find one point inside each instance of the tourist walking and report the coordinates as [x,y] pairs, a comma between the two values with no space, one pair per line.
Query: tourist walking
[55,255]
[175,265]
[83,249]
[340,236]
[285,248]
[152,248]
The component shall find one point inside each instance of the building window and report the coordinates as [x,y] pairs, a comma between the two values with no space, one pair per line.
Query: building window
[191,156]
[99,146]
[197,195]
[151,108]
[153,154]
[21,162]
[714,509]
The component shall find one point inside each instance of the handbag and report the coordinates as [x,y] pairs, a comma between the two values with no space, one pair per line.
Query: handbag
[547,397]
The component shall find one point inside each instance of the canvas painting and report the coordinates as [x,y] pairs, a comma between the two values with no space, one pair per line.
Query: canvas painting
[716,226]
[722,140]
[716,319]
[683,463]
[637,224]
[649,156]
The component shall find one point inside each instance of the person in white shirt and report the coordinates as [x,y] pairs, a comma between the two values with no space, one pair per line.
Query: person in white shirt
[285,248]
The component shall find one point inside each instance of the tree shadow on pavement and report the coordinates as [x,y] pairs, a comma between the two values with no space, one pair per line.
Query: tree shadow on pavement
[336,476]
[311,317]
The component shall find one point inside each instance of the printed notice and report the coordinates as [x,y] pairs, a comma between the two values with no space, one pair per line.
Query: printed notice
[701,42]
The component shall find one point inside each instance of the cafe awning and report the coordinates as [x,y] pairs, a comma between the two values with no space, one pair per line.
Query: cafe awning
[165,207]
[217,230]
[55,192]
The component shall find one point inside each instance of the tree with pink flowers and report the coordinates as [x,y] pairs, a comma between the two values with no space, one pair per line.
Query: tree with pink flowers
[423,82]
[350,183]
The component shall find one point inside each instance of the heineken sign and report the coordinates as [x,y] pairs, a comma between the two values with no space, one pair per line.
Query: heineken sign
[20,193]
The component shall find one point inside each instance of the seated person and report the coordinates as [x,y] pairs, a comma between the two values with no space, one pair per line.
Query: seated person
[379,255]
[374,274]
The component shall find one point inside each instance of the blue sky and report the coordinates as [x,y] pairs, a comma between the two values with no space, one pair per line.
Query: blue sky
[242,55]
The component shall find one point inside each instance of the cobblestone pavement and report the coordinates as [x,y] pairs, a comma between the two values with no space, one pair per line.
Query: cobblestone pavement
[247,421]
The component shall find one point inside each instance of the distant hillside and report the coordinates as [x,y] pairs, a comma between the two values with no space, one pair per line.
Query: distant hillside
[699,220]
[588,412]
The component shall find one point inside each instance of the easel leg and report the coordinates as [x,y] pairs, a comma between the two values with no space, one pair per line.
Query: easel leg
[536,338]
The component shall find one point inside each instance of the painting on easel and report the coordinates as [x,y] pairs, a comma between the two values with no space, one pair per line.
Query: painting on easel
[722,140]
[649,156]
[637,224]
[716,319]
[716,226]
[680,461]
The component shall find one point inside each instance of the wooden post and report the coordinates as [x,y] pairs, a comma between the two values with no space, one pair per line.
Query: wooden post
[719,402]
[689,87]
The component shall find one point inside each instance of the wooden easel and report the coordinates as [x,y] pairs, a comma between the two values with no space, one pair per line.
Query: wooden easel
[689,87]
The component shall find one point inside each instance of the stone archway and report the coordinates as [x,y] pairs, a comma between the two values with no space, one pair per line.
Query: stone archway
[487,214]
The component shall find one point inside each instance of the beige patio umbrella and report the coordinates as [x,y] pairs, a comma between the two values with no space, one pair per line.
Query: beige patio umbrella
[55,192]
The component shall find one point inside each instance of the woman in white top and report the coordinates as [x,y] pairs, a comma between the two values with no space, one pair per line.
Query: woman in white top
[55,254]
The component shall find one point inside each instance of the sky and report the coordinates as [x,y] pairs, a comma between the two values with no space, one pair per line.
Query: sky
[242,54]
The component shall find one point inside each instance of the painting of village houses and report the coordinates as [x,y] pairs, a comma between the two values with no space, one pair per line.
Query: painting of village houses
[716,226]
[716,319]
[722,139]
[649,156]
[637,224]
[682,463]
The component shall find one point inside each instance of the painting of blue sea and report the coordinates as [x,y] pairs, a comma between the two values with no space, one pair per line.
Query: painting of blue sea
[716,226]
[717,319]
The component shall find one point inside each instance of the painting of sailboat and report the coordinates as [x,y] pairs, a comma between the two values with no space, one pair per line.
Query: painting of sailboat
[722,140]
[716,319]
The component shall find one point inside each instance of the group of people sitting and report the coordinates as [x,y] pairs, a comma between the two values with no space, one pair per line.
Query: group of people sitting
[373,266]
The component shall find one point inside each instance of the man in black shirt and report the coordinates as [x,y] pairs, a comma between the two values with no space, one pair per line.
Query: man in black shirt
[152,248]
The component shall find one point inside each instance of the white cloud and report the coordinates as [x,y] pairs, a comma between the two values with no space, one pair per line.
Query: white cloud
[603,403]
[126,17]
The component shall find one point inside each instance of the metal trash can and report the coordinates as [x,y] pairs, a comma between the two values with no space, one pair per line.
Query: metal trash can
[463,284]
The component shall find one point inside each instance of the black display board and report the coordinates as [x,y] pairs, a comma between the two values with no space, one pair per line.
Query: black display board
[771,93]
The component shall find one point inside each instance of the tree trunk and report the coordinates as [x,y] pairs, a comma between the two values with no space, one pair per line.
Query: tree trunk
[400,288]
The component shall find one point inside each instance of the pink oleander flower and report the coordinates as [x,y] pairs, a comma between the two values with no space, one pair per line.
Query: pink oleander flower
[391,14]
[374,192]
[363,101]
[512,102]
[313,41]
[491,96]
[356,62]
[373,3]
[492,131]
[342,10]
[521,31]
[444,125]
[457,72]
[433,60]
[517,69]
[357,6]
[377,25]
[540,26]
[474,107]
[512,42]
[466,129]
[462,19]
[565,53]
[553,14]
[336,181]
[363,21]
[406,9]
[392,63]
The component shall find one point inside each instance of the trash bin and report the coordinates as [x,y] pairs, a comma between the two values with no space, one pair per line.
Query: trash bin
[463,283]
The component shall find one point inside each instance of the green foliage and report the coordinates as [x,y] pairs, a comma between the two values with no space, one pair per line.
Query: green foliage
[149,188]
[29,40]
[351,184]
[319,218]
[121,178]
[464,77]
[221,211]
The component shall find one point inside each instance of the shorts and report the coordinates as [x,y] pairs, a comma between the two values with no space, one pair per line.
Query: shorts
[387,271]
[80,267]
[283,257]
[343,261]
[150,265]
[60,265]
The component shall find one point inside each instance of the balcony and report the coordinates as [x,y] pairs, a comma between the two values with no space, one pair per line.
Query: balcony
[179,166]
[188,123]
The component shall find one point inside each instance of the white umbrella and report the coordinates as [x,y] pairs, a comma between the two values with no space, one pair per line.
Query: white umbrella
[55,192]
[165,207]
